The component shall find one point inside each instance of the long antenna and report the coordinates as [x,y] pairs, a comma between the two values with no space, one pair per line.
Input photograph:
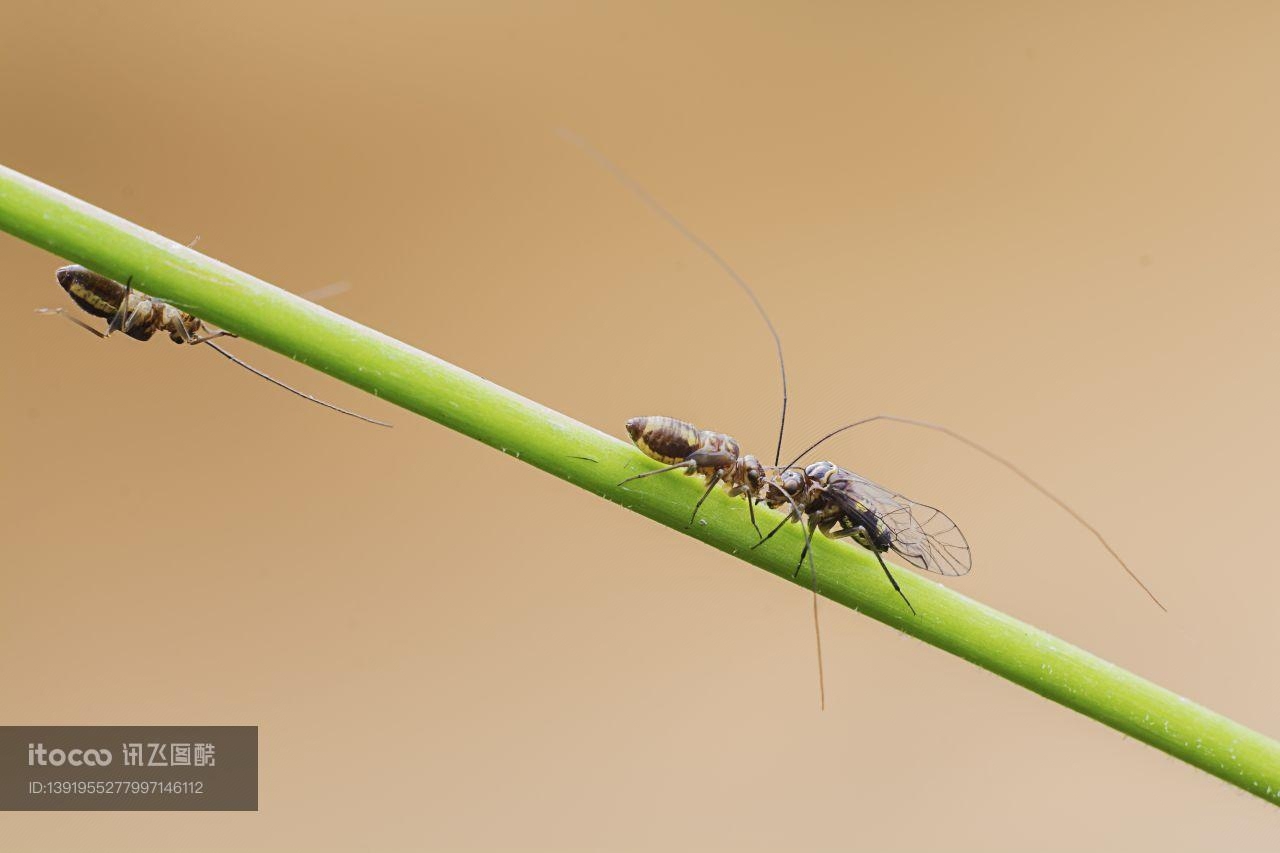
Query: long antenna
[707,249]
[703,246]
[1007,464]
[220,351]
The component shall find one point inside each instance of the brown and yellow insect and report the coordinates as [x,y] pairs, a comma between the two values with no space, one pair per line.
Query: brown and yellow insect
[714,455]
[141,316]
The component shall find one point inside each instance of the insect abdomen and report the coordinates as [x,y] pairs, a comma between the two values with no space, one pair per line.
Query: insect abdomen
[96,294]
[664,439]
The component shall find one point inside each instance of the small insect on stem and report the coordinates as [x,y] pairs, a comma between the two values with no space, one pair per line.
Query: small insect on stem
[140,316]
[686,448]
[829,499]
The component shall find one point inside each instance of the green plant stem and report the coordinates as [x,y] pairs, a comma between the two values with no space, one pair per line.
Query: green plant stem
[449,395]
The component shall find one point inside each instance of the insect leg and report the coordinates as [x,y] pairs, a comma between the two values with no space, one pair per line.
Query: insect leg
[794,515]
[776,528]
[118,321]
[711,484]
[221,333]
[688,464]
[128,321]
[62,313]
[745,492]
[808,541]
[851,531]
[847,532]
[751,511]
[894,581]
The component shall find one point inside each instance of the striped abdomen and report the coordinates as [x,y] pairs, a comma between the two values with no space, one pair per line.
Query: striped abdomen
[96,294]
[665,439]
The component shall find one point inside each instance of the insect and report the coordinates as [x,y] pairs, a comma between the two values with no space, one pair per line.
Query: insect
[871,515]
[698,451]
[140,316]
[824,494]
[830,499]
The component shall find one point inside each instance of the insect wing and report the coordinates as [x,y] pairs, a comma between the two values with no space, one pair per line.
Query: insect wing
[921,534]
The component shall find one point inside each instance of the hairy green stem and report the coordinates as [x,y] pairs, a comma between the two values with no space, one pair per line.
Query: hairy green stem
[588,458]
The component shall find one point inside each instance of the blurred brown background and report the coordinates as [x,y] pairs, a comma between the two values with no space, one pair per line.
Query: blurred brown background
[1051,228]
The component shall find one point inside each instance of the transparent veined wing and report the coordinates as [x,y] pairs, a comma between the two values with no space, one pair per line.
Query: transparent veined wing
[923,535]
